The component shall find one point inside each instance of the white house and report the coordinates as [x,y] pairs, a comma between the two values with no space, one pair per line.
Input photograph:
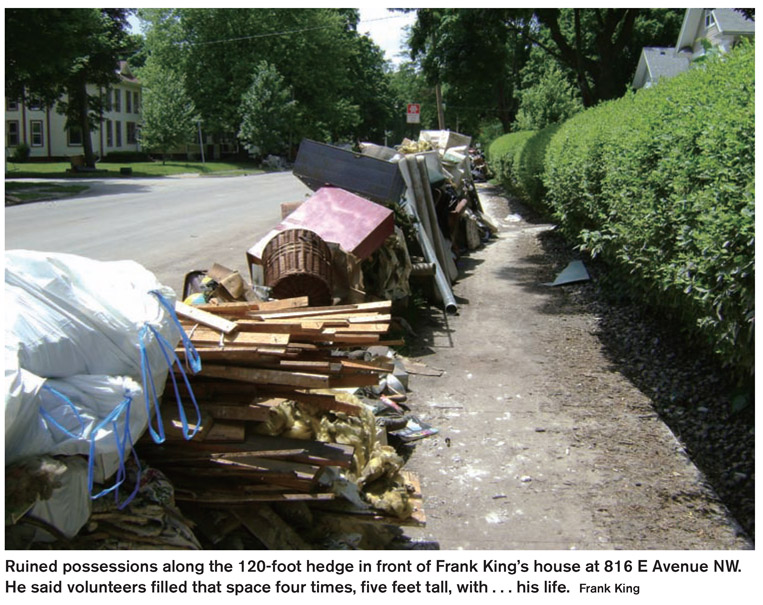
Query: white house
[43,128]
[720,27]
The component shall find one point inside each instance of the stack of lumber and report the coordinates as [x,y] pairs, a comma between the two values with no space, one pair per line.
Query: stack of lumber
[256,356]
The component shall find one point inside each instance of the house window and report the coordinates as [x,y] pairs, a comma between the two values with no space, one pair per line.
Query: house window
[34,104]
[131,133]
[109,134]
[35,128]
[74,136]
[12,133]
[11,105]
[136,101]
[118,132]
[117,100]
[709,19]
[107,100]
[128,101]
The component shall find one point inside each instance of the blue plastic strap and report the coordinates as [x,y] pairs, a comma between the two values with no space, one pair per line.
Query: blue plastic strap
[191,354]
[170,358]
[50,420]
[151,396]
[121,476]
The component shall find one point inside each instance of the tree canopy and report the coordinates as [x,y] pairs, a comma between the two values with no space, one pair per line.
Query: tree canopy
[50,52]
[336,76]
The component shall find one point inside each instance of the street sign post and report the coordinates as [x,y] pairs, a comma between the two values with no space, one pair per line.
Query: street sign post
[414,113]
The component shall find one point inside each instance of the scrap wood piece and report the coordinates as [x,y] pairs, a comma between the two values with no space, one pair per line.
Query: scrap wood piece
[173,426]
[328,403]
[264,376]
[242,308]
[325,367]
[353,380]
[204,318]
[207,336]
[217,498]
[235,355]
[225,431]
[245,460]
[269,528]
[377,365]
[376,307]
[286,326]
[319,453]
[246,412]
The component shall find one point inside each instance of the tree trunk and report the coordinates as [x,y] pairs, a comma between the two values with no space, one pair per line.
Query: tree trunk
[83,109]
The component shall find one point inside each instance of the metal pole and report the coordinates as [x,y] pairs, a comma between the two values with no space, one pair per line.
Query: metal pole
[201,145]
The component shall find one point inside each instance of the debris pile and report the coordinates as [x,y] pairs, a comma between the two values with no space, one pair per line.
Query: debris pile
[249,415]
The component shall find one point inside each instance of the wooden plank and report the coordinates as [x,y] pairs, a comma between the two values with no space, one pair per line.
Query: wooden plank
[269,528]
[173,427]
[284,303]
[226,431]
[324,367]
[319,453]
[299,470]
[263,376]
[328,403]
[377,365]
[353,380]
[217,498]
[347,339]
[204,318]
[360,308]
[252,413]
[369,328]
[207,336]
[280,327]
[369,318]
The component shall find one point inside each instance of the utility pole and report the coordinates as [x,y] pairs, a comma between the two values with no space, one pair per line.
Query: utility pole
[201,145]
[440,108]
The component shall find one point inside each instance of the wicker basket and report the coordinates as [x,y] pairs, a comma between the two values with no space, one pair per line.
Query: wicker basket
[297,262]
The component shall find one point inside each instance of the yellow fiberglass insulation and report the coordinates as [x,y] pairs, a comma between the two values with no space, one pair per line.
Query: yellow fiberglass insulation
[371,461]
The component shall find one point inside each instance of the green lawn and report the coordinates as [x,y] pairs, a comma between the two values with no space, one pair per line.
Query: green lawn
[57,170]
[18,193]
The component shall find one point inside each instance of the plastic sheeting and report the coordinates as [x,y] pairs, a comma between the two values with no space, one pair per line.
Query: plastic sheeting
[88,346]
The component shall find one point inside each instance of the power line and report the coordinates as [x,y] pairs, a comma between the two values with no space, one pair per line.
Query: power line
[282,33]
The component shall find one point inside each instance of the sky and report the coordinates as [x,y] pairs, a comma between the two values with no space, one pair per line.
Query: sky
[384,27]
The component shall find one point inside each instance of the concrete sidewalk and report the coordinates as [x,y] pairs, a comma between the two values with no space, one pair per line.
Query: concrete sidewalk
[542,444]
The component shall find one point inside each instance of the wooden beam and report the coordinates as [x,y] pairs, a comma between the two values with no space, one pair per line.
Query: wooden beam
[262,376]
[204,318]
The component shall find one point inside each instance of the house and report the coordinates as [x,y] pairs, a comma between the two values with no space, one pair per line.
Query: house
[719,27]
[44,130]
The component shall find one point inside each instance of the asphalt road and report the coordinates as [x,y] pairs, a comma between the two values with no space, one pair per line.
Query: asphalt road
[171,226]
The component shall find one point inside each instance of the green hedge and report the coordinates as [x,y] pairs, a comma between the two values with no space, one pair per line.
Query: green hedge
[503,158]
[661,184]
[517,161]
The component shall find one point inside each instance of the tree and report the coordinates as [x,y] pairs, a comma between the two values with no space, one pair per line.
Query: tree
[267,108]
[50,52]
[547,97]
[169,115]
[478,57]
[602,45]
[336,76]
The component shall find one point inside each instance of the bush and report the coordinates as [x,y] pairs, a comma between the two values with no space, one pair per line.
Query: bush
[503,158]
[551,99]
[517,160]
[20,153]
[661,184]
